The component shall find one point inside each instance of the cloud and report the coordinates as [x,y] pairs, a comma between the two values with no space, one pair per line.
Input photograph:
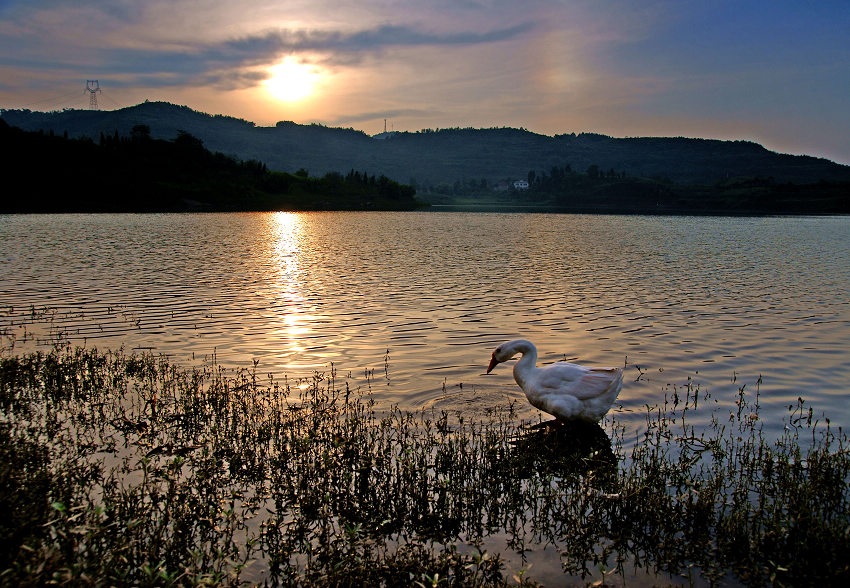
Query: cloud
[273,43]
[210,62]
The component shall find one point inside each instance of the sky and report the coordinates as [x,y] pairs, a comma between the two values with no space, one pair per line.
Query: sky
[772,71]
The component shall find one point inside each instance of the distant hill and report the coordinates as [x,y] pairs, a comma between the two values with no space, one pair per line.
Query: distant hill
[431,159]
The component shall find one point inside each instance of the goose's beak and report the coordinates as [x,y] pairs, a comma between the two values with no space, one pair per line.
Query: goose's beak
[493,363]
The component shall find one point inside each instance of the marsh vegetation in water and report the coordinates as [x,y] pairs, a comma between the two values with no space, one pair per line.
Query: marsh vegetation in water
[127,469]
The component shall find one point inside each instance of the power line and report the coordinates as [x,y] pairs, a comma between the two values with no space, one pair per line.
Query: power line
[58,100]
[109,99]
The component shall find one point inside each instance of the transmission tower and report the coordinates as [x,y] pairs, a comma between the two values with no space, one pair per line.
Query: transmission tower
[92,87]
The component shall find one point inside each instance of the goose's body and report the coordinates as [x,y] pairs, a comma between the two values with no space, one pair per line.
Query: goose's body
[565,390]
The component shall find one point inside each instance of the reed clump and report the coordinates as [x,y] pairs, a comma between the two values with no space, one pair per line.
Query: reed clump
[126,469]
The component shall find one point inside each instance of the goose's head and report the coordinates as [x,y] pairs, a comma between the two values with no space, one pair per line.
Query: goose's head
[494,361]
[505,351]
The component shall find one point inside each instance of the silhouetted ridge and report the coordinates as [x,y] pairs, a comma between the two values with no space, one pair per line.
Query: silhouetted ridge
[453,164]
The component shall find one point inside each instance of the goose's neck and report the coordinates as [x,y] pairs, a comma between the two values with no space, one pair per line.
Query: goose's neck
[526,364]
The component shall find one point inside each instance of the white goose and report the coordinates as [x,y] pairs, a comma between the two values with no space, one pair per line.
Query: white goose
[565,390]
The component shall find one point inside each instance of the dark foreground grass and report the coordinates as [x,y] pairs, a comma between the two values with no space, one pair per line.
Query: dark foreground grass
[121,469]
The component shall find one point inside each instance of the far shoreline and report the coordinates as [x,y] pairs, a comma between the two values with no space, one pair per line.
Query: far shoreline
[458,208]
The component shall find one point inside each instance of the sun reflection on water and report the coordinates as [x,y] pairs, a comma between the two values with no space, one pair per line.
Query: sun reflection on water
[295,315]
[286,228]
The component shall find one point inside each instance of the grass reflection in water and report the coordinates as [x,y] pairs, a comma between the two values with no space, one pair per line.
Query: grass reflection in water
[126,469]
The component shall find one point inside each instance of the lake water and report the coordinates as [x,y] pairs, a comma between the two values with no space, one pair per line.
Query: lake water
[423,298]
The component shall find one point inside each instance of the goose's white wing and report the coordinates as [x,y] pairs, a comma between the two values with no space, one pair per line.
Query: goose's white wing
[578,381]
[570,391]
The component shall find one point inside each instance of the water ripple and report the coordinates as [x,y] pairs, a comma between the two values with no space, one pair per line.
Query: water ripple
[428,296]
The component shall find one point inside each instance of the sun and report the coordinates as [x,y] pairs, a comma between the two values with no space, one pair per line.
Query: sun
[291,80]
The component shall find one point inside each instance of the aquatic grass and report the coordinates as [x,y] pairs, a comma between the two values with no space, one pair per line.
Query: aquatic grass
[127,469]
